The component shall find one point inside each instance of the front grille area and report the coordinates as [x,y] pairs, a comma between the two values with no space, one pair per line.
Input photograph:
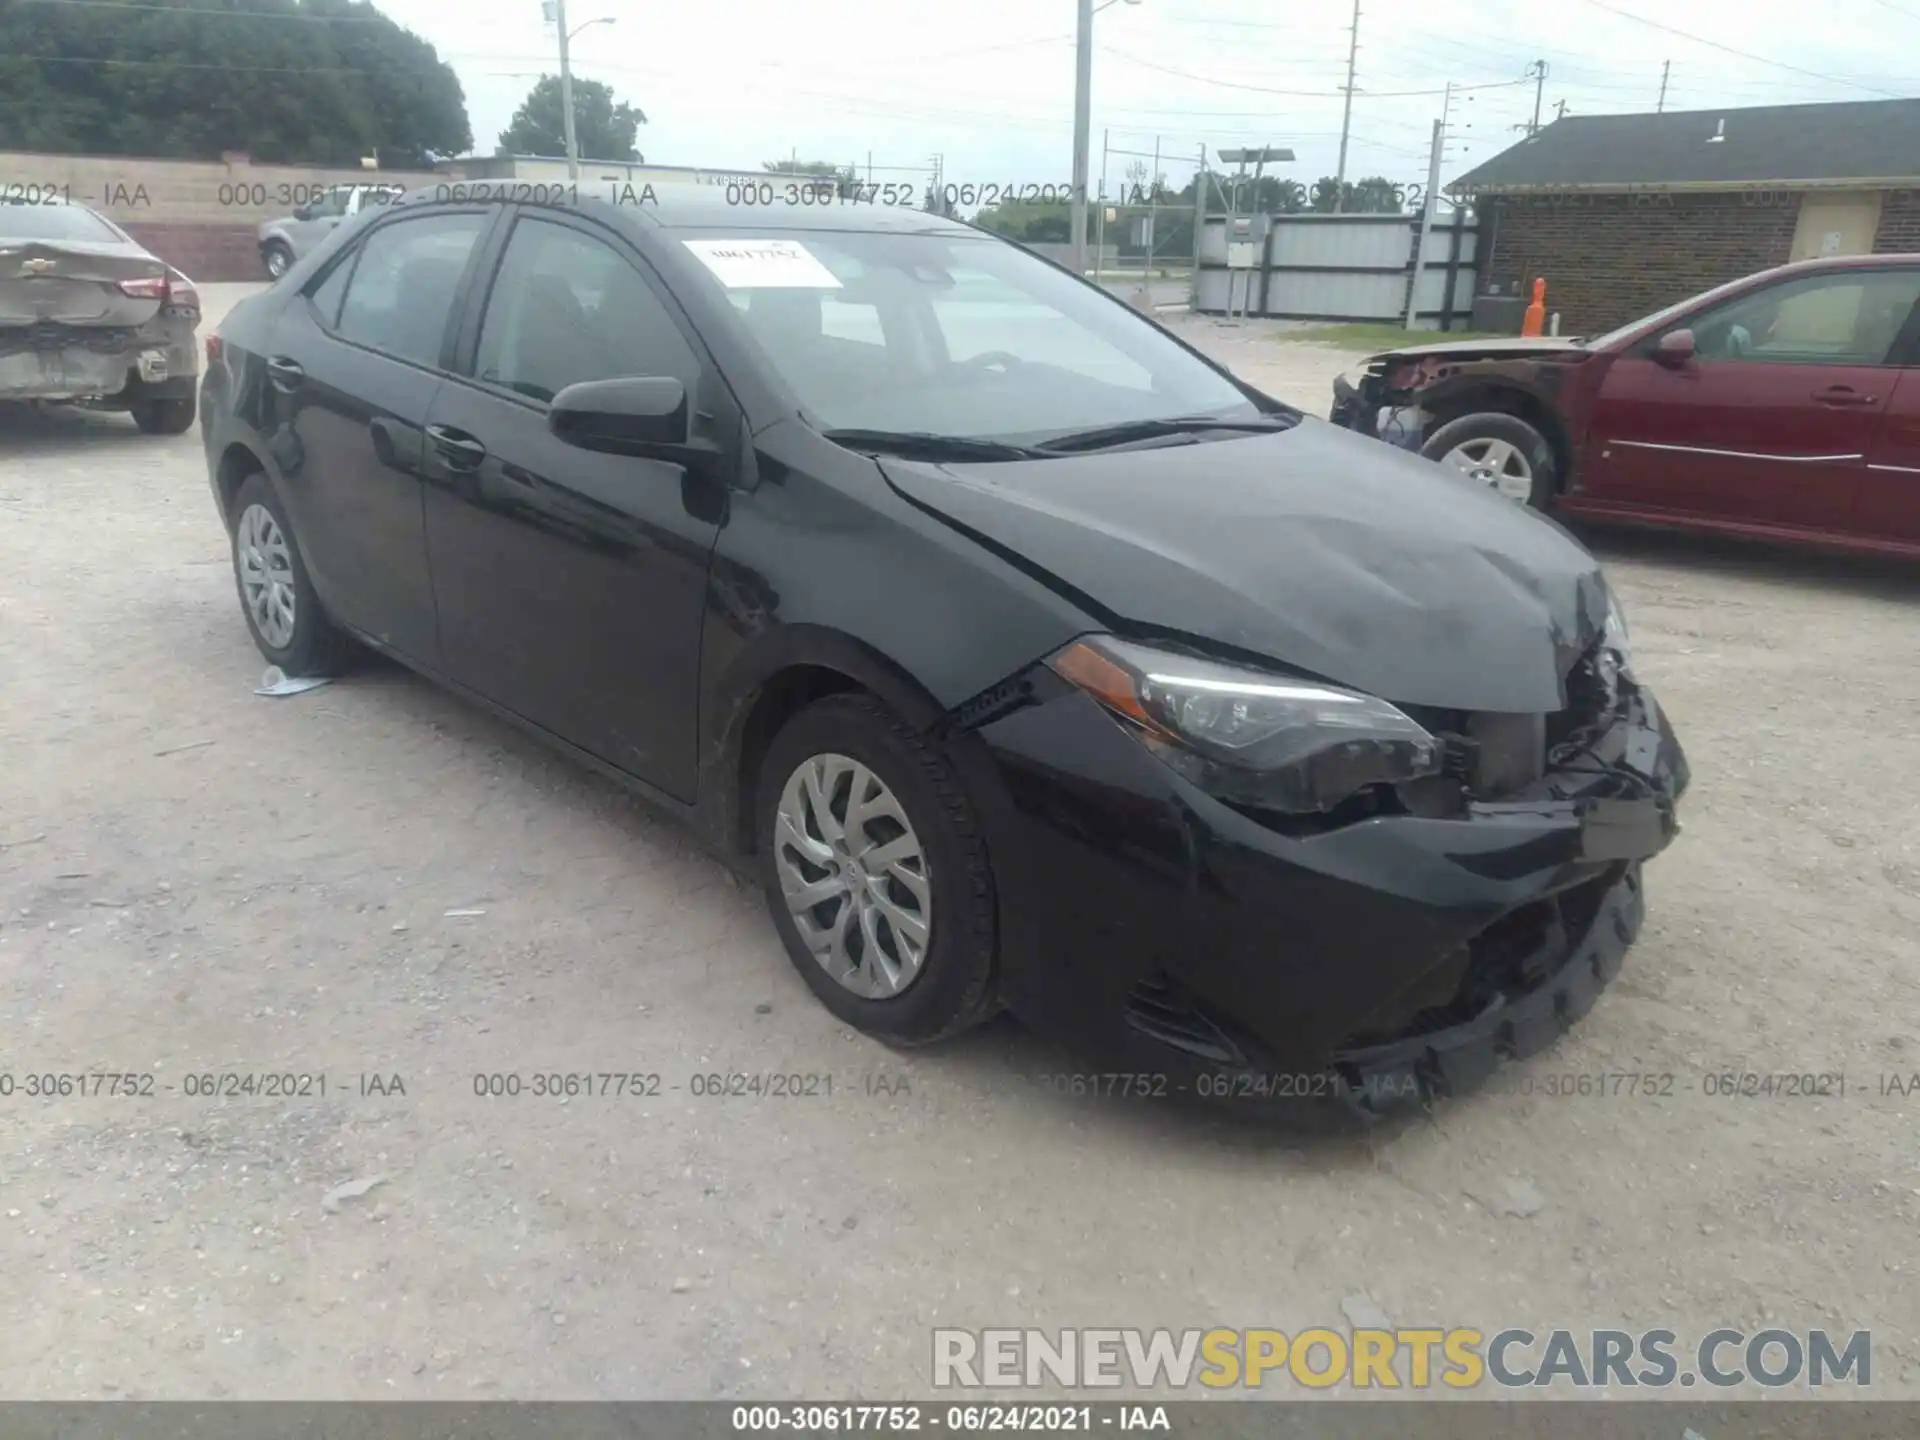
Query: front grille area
[1510,957]
[1161,1008]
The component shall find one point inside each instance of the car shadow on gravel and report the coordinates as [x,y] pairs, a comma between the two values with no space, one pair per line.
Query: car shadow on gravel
[1870,576]
[67,431]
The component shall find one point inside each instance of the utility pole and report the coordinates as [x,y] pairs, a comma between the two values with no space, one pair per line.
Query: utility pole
[566,92]
[1426,214]
[1100,202]
[1082,133]
[1200,183]
[1153,200]
[1346,115]
[1539,72]
[1660,105]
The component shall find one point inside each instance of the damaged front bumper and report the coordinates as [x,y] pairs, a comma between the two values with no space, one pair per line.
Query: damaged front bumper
[1375,964]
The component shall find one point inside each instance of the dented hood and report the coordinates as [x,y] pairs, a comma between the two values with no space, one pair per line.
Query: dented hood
[1327,552]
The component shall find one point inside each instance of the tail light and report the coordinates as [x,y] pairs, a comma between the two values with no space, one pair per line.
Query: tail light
[153,287]
[213,349]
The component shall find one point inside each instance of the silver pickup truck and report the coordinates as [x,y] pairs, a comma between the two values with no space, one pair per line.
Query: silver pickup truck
[284,241]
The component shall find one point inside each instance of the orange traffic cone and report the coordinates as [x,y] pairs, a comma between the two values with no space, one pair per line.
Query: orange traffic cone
[1534,322]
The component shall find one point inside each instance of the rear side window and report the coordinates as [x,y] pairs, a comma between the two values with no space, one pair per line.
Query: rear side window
[403,287]
[326,297]
[567,307]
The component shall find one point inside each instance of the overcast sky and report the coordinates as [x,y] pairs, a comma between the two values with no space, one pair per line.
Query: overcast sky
[989,83]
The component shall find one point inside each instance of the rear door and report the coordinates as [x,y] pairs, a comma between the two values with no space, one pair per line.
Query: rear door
[1770,422]
[1890,490]
[571,584]
[353,365]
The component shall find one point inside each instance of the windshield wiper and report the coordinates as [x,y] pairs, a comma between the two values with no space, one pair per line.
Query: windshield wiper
[924,445]
[1108,436]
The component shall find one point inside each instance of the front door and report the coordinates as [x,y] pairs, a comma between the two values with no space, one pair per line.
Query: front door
[571,584]
[1770,421]
[1890,490]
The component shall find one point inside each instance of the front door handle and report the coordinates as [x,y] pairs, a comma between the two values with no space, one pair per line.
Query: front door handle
[1843,395]
[285,374]
[458,449]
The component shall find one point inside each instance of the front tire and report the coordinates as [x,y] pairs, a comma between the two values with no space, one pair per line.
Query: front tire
[164,417]
[277,258]
[1500,451]
[876,872]
[276,595]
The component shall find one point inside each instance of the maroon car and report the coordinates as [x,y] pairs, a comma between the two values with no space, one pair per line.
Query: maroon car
[1783,406]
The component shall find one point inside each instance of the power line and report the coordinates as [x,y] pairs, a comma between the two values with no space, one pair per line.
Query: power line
[237,14]
[1300,94]
[1743,54]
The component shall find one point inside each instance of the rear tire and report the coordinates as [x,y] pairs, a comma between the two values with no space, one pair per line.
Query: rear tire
[164,417]
[1501,451]
[949,986]
[276,595]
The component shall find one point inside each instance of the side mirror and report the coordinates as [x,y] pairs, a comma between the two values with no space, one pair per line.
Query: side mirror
[633,415]
[303,212]
[1674,349]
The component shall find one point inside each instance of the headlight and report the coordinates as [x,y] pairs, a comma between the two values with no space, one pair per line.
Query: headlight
[1247,736]
[1614,644]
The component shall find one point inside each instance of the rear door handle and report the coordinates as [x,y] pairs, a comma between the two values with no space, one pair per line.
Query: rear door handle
[459,449]
[1842,395]
[285,374]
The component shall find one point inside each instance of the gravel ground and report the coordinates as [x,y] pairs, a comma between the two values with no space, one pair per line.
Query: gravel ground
[196,880]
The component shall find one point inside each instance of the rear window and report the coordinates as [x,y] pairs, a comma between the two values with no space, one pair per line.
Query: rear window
[21,220]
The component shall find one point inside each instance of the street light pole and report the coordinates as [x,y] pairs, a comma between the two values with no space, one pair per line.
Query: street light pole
[566,92]
[1082,133]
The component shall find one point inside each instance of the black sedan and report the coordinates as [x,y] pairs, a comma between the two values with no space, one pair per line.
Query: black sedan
[1031,659]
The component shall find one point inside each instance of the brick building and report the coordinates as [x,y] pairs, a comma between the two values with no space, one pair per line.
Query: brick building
[1623,214]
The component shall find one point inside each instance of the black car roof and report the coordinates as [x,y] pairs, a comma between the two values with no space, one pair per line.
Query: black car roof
[708,207]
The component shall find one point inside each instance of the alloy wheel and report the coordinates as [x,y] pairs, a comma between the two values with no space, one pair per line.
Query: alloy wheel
[265,562]
[1497,464]
[854,875]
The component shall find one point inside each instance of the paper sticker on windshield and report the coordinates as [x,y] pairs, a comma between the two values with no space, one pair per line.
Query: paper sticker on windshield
[763,264]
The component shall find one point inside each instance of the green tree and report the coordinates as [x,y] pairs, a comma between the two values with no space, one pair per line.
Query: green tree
[603,129]
[180,79]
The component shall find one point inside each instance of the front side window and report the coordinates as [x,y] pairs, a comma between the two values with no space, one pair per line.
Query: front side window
[567,307]
[1849,317]
[950,335]
[403,288]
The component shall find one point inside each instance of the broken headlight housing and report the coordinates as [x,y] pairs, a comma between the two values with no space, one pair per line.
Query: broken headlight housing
[1616,652]
[1249,736]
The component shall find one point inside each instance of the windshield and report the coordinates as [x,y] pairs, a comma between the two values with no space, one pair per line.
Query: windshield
[21,220]
[951,335]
